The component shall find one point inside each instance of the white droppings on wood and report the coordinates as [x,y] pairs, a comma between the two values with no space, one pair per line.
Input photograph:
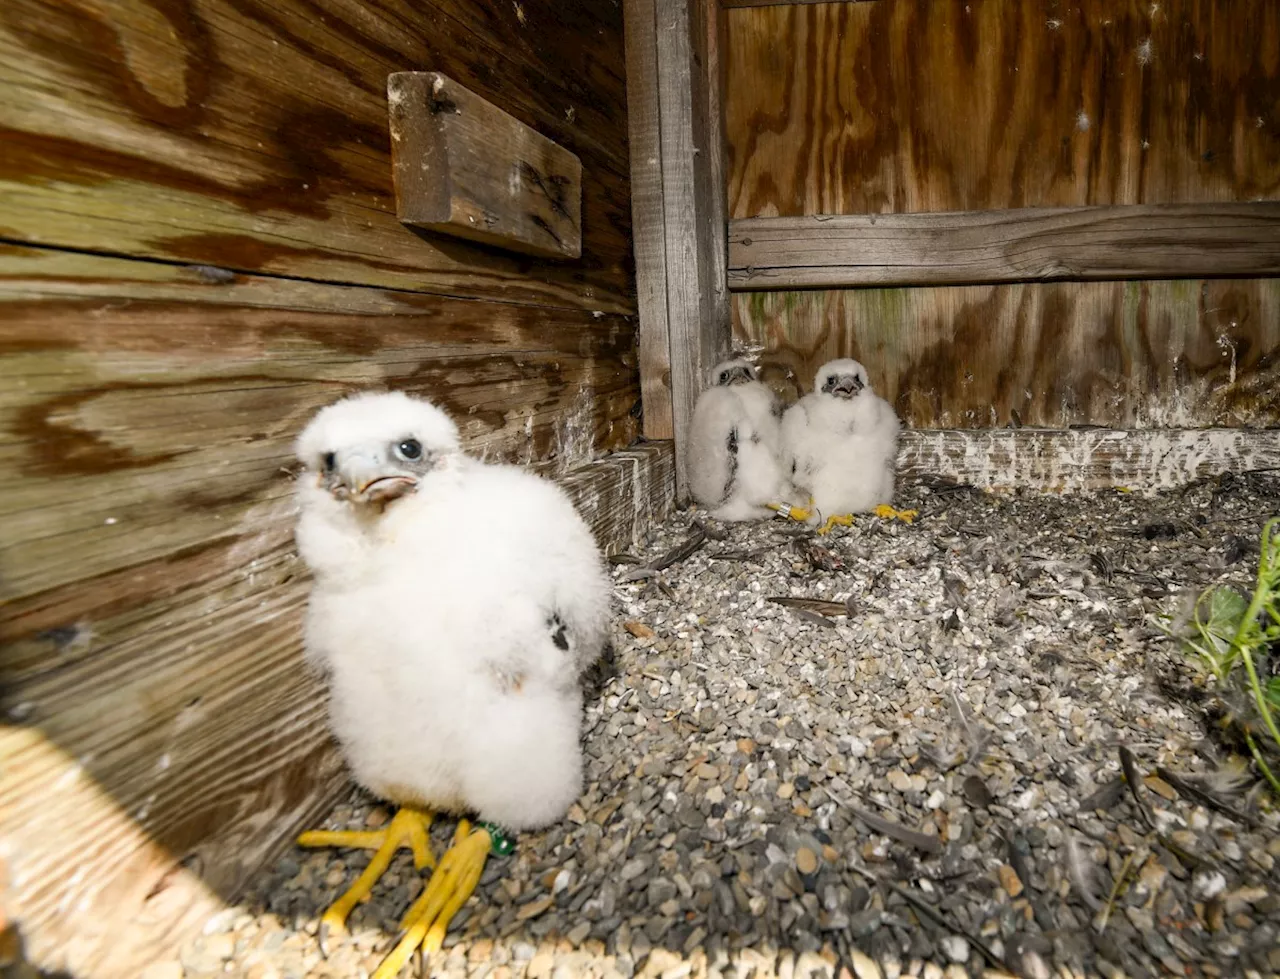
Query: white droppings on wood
[1228,347]
[1055,461]
[574,433]
[1082,121]
[1144,51]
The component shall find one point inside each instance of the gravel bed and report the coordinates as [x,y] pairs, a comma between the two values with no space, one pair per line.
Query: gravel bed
[921,777]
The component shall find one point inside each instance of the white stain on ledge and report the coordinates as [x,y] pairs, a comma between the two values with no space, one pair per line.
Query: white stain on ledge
[1093,459]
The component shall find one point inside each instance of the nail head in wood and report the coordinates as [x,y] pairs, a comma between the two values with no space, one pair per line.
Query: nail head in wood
[466,168]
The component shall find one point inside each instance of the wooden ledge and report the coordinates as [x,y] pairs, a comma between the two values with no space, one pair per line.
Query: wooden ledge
[1026,244]
[1056,461]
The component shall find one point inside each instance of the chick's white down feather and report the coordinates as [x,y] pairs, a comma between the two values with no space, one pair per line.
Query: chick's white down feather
[454,624]
[734,445]
[842,450]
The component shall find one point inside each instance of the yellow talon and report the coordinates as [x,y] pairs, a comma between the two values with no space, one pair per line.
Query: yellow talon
[843,519]
[453,881]
[410,827]
[886,512]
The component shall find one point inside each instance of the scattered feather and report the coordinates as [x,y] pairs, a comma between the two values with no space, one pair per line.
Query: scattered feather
[1081,873]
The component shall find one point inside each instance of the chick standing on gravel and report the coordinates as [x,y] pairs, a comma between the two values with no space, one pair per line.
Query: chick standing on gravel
[840,443]
[734,445]
[455,607]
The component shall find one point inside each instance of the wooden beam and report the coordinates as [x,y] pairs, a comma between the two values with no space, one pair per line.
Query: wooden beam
[1056,461]
[466,168]
[647,221]
[1028,244]
[685,67]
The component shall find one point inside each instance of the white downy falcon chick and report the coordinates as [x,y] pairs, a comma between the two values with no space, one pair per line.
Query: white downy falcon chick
[840,444]
[734,443]
[455,607]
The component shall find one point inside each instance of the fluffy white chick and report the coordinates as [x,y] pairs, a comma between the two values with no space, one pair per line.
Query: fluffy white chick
[455,607]
[734,444]
[840,444]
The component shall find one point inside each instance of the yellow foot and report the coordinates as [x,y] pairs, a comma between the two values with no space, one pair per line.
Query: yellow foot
[887,512]
[410,827]
[452,882]
[797,513]
[842,519]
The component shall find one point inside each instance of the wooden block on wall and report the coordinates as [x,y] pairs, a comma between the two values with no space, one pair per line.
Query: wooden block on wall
[464,167]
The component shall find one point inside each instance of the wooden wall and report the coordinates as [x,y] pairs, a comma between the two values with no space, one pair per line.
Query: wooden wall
[892,106]
[198,248]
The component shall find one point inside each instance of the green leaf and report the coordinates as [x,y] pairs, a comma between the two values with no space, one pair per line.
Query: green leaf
[1226,610]
[1273,693]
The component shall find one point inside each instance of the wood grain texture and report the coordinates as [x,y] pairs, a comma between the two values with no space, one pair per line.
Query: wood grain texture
[625,494]
[1074,461]
[1159,354]
[1128,242]
[919,105]
[252,134]
[179,743]
[648,217]
[697,321]
[148,411]
[464,167]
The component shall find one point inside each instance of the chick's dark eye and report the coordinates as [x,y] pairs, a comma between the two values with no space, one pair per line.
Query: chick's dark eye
[409,449]
[330,460]
[724,375]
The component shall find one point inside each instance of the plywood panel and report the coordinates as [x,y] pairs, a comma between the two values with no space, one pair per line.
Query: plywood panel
[920,105]
[1139,354]
[253,134]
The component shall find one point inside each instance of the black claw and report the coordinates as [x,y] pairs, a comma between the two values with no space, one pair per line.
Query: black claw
[559,634]
[322,937]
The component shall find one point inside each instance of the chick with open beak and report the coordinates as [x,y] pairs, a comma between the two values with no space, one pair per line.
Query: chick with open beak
[375,475]
[843,384]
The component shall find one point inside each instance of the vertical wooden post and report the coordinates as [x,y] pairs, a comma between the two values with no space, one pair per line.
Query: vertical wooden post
[678,206]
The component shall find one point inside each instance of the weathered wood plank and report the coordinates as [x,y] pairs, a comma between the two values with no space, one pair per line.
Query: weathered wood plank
[916,105]
[1073,461]
[625,494]
[252,134]
[648,218]
[1159,354]
[147,409]
[1127,242]
[716,68]
[696,316]
[158,753]
[464,167]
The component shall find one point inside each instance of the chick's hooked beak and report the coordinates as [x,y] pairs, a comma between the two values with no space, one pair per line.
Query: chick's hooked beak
[369,478]
[845,386]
